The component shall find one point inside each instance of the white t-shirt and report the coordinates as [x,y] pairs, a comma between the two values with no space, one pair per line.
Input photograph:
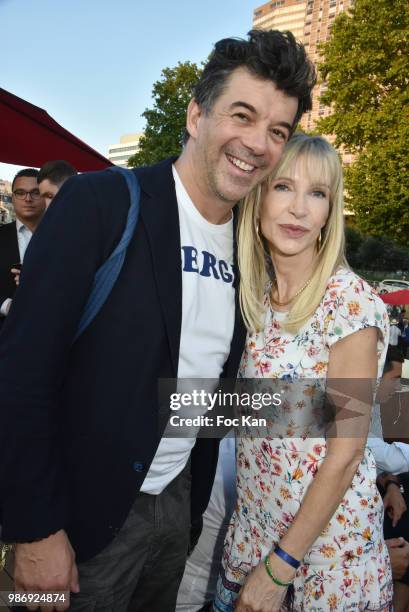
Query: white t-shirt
[207,319]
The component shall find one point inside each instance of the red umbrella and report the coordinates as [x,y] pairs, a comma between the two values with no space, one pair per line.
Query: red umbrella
[30,137]
[396,298]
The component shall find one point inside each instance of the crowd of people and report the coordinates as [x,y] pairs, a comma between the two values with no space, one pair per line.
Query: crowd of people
[308,512]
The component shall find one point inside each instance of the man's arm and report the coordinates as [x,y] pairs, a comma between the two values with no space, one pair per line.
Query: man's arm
[36,339]
[390,457]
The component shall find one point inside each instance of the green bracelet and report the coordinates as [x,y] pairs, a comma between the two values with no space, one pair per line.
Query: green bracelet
[273,578]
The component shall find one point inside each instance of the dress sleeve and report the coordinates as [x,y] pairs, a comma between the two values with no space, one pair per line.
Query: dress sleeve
[351,305]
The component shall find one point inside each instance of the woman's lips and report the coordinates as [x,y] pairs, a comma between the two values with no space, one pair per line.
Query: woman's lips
[294,231]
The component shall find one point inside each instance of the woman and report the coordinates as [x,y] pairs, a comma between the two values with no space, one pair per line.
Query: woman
[309,316]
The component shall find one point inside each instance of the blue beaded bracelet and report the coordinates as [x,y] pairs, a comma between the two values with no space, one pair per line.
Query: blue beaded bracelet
[287,558]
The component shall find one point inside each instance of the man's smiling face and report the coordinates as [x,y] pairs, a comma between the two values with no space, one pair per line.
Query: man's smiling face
[239,142]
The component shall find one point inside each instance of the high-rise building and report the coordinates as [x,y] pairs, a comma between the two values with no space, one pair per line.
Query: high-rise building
[121,152]
[310,21]
[281,15]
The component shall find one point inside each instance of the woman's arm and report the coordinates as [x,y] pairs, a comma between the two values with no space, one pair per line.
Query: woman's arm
[353,357]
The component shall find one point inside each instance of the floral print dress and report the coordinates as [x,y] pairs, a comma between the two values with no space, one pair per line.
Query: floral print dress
[347,567]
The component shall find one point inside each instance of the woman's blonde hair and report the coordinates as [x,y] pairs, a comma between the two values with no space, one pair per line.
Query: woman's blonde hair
[322,163]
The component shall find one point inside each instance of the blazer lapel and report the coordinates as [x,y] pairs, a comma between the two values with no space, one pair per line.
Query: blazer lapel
[159,213]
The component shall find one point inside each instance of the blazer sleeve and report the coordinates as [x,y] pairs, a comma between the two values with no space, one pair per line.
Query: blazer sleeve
[72,241]
[9,254]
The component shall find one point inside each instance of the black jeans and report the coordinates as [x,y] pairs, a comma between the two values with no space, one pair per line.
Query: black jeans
[142,567]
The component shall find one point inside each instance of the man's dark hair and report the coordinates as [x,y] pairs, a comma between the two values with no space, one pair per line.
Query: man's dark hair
[271,55]
[56,172]
[25,172]
[394,353]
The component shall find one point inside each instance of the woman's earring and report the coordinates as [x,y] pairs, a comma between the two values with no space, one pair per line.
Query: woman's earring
[319,241]
[258,230]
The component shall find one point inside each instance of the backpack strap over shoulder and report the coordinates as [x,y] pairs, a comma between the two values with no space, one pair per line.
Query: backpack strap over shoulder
[106,276]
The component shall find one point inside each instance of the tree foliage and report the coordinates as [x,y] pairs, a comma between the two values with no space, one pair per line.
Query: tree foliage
[165,122]
[366,67]
[374,253]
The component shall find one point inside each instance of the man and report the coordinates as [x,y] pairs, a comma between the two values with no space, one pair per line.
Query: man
[14,237]
[51,178]
[83,467]
[395,333]
[392,460]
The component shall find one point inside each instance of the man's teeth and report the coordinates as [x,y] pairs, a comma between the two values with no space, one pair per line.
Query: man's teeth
[241,164]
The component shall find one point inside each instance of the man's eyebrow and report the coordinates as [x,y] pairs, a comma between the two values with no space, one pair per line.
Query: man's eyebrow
[245,104]
[286,125]
[251,108]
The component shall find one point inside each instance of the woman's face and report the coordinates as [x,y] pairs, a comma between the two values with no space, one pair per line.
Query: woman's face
[294,208]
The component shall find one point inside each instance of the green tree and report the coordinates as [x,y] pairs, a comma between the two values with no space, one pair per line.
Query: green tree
[165,122]
[366,67]
[353,241]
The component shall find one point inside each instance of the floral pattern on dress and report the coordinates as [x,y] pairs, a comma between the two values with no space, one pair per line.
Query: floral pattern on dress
[347,567]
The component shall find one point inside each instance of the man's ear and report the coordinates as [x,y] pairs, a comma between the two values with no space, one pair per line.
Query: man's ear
[194,113]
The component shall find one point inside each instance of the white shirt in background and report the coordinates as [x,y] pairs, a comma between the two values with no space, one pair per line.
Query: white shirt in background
[394,335]
[24,236]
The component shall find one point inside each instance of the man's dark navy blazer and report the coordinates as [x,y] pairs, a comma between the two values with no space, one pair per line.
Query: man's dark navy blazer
[9,255]
[79,424]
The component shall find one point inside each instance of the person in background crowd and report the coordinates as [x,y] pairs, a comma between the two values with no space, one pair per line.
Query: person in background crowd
[29,208]
[51,178]
[395,333]
[198,586]
[392,462]
[97,500]
[392,457]
[405,336]
[395,489]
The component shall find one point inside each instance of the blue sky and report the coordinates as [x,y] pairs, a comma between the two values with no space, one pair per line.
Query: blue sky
[91,63]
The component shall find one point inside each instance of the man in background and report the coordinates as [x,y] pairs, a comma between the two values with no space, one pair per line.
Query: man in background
[29,207]
[52,176]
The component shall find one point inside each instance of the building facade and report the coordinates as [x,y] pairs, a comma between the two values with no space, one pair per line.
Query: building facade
[121,152]
[310,21]
[6,207]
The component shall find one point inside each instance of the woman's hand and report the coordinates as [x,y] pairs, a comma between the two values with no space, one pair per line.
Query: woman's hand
[394,504]
[260,593]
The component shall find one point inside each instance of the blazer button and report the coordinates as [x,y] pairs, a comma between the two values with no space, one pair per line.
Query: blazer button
[138,466]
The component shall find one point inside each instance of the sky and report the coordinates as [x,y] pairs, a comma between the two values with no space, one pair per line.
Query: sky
[91,64]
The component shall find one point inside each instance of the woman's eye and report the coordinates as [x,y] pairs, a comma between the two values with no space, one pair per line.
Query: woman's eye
[280,187]
[317,193]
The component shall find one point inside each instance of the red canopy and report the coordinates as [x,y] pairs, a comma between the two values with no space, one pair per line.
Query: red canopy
[396,298]
[30,137]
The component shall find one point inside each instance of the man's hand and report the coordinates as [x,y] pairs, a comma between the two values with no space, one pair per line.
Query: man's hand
[16,273]
[47,565]
[394,504]
[399,553]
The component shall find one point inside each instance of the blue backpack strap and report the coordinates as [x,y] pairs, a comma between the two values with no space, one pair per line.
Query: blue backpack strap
[107,274]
